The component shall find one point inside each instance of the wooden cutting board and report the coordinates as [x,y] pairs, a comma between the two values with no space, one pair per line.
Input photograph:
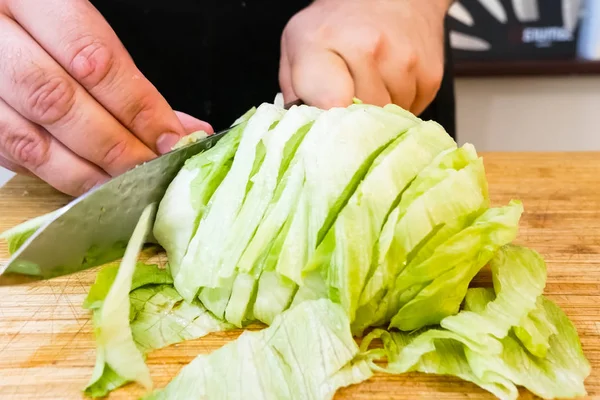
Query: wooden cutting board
[46,339]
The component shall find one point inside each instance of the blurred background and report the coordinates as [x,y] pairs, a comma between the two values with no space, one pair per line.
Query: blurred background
[527,74]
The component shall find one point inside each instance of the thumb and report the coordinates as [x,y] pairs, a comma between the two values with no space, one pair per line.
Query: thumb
[192,124]
[321,78]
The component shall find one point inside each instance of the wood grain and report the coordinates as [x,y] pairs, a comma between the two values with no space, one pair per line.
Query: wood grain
[46,339]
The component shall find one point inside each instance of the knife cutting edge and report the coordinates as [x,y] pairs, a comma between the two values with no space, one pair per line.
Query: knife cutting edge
[95,228]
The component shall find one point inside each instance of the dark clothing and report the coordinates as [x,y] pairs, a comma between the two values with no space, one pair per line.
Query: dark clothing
[214,59]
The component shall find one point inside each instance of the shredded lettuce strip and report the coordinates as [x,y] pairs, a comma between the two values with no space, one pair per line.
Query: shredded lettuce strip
[478,344]
[307,353]
[137,310]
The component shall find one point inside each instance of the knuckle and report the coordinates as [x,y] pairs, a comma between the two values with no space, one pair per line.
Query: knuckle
[49,99]
[371,43]
[432,80]
[410,60]
[25,147]
[114,153]
[139,113]
[91,62]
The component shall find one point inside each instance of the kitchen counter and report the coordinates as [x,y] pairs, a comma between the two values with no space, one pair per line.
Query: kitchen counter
[46,339]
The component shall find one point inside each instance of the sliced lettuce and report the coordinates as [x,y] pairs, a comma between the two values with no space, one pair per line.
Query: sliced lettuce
[307,353]
[274,295]
[116,348]
[519,276]
[534,331]
[207,245]
[335,158]
[278,217]
[460,194]
[560,374]
[433,351]
[280,146]
[346,252]
[461,257]
[143,274]
[163,318]
[150,314]
[385,267]
[187,197]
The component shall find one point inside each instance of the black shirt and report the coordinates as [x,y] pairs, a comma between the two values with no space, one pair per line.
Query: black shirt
[216,59]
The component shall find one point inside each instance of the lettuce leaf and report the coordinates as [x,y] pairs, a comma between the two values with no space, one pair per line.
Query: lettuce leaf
[432,351]
[519,276]
[143,274]
[559,374]
[458,195]
[163,318]
[116,348]
[347,250]
[187,197]
[472,249]
[335,155]
[207,244]
[307,353]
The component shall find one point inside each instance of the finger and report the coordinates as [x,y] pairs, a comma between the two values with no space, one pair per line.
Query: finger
[400,81]
[10,165]
[369,85]
[321,78]
[285,75]
[428,85]
[76,35]
[31,147]
[191,124]
[34,85]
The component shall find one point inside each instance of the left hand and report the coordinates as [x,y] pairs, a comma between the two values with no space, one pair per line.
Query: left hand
[380,51]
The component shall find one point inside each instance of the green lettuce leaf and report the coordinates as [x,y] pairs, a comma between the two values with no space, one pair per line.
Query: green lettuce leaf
[163,318]
[187,197]
[143,274]
[519,276]
[307,353]
[560,374]
[460,259]
[433,351]
[274,295]
[281,145]
[461,193]
[346,252]
[115,345]
[534,331]
[336,155]
[207,244]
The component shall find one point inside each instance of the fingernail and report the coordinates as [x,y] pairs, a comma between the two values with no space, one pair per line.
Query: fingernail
[166,141]
[193,124]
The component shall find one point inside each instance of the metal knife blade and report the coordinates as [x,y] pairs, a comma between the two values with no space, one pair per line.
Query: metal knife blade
[101,220]
[95,228]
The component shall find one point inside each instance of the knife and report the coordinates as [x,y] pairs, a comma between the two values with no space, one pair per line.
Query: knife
[94,229]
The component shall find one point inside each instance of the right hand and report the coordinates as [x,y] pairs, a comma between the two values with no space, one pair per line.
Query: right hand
[74,108]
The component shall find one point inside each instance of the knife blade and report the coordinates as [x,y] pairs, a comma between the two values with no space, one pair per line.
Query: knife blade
[95,228]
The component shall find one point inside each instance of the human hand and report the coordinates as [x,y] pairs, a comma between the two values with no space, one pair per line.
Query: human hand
[380,51]
[74,108]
